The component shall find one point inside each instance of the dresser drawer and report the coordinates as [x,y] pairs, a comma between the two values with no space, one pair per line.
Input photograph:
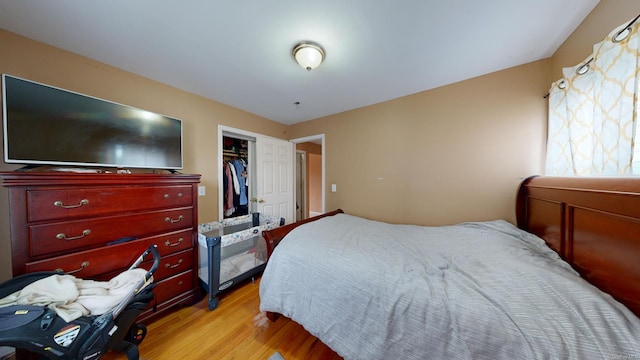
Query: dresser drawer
[172,265]
[75,203]
[169,266]
[174,242]
[169,288]
[78,234]
[106,262]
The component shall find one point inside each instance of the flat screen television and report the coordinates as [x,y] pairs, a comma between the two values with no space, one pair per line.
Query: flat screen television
[45,125]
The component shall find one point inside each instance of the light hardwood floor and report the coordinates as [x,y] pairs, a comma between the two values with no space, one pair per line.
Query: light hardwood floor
[235,330]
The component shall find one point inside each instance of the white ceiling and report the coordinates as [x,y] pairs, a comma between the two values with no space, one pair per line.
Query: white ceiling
[238,52]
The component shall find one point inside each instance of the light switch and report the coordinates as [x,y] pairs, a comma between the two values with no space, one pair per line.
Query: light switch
[201,190]
[333,188]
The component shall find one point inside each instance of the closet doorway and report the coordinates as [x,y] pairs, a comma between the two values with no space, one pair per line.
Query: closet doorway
[269,177]
[310,176]
[238,173]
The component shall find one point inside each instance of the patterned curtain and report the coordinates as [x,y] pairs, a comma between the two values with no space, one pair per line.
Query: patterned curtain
[593,110]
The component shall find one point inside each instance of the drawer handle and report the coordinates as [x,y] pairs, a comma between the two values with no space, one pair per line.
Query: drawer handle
[179,195]
[166,196]
[168,266]
[63,236]
[82,267]
[168,243]
[170,220]
[62,205]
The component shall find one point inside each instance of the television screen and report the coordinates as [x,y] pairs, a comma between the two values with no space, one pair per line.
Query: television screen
[49,126]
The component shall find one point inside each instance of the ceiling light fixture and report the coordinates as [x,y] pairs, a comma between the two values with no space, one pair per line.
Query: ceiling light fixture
[308,54]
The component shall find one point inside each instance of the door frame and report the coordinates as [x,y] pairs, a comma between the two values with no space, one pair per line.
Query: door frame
[313,138]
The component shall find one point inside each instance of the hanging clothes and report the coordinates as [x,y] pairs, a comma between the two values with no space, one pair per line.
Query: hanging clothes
[235,188]
[241,176]
[235,177]
[227,188]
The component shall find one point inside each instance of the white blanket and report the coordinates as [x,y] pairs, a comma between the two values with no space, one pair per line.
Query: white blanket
[72,298]
[371,290]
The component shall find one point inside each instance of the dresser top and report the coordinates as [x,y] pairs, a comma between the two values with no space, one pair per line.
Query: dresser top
[17,178]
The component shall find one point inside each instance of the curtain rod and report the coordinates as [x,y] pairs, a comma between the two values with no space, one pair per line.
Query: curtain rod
[617,34]
[629,24]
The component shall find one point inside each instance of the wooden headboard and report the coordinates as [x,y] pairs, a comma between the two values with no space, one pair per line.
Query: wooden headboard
[593,223]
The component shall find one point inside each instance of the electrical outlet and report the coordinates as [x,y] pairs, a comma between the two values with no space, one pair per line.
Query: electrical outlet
[201,190]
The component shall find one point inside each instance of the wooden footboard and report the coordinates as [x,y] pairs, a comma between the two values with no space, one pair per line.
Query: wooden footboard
[274,236]
[594,224]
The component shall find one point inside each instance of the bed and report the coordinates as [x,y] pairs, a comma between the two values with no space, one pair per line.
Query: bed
[564,284]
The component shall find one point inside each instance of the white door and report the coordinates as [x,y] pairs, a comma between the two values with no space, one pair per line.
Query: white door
[275,176]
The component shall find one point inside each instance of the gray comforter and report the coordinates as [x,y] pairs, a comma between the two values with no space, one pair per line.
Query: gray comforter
[371,290]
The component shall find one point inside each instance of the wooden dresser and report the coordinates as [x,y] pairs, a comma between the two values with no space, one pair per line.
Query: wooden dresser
[94,226]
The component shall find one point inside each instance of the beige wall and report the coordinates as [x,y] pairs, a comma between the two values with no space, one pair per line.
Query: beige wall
[452,154]
[456,153]
[38,62]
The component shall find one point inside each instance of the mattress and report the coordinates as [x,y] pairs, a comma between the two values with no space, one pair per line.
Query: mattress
[484,290]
